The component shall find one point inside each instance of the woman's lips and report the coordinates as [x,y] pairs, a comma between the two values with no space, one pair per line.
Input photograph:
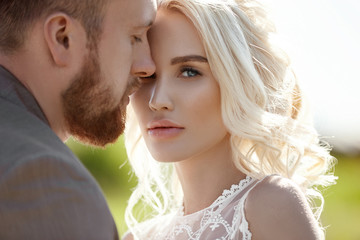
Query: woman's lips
[164,132]
[163,129]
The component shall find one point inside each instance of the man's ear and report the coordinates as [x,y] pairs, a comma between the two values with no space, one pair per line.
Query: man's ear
[58,29]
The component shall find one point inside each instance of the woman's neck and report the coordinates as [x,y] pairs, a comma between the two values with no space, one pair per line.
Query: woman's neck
[205,176]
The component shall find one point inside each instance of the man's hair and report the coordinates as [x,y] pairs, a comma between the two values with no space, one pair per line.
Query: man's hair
[17,18]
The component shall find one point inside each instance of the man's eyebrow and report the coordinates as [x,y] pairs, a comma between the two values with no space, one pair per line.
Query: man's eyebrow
[189,58]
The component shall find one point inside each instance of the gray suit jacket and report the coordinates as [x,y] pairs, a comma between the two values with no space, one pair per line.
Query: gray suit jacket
[45,191]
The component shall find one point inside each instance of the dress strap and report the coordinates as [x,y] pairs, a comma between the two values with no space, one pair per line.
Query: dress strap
[244,225]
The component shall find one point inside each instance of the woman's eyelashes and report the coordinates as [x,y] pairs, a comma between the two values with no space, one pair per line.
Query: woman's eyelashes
[189,72]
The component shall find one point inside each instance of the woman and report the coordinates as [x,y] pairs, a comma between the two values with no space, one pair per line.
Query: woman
[218,136]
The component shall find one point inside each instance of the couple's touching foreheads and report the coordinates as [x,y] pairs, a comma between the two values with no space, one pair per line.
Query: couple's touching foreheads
[216,128]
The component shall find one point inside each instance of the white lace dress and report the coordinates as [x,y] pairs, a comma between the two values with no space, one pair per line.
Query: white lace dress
[223,220]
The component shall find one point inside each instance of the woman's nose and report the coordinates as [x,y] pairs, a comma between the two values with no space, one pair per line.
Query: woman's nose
[160,98]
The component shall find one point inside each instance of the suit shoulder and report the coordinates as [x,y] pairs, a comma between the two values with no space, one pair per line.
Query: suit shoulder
[27,137]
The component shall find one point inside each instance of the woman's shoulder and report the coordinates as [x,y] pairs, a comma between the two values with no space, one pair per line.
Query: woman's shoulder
[276,189]
[277,208]
[128,236]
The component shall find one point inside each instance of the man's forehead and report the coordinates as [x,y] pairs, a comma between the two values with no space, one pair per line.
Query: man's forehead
[146,13]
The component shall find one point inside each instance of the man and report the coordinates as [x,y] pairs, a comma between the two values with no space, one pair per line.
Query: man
[66,68]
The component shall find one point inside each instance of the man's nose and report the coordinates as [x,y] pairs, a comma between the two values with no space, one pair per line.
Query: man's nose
[143,64]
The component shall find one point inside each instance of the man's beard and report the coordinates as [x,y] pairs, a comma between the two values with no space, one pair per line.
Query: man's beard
[90,112]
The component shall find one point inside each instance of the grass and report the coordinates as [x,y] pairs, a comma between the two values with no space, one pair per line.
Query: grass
[342,201]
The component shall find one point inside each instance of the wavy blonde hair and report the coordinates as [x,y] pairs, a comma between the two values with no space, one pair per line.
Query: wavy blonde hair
[262,108]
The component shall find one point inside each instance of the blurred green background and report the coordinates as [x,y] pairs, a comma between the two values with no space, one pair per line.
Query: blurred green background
[342,201]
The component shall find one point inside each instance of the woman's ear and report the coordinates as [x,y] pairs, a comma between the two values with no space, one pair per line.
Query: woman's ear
[58,30]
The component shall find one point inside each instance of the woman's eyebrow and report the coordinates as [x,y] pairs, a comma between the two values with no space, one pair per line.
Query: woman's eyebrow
[188,58]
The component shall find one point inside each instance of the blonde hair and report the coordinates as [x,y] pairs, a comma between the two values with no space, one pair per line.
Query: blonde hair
[261,101]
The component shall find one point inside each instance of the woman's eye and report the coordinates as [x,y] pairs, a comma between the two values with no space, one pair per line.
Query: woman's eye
[189,72]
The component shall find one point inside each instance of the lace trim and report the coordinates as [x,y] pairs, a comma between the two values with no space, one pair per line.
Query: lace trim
[235,189]
[213,222]
[209,221]
[226,194]
[244,228]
